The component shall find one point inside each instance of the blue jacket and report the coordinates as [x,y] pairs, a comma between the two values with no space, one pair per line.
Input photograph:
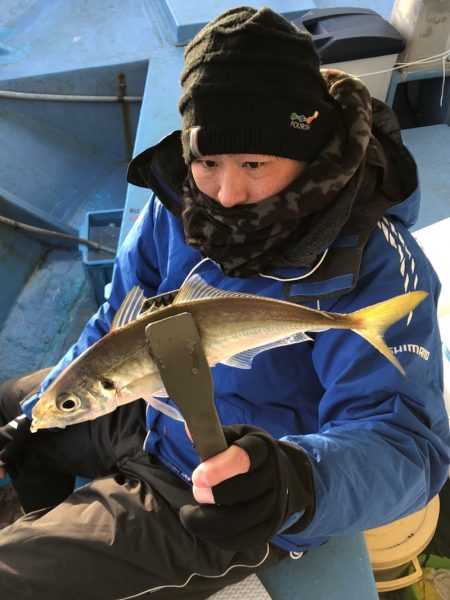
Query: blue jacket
[378,441]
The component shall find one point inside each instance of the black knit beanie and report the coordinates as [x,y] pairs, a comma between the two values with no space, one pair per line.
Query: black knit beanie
[252,85]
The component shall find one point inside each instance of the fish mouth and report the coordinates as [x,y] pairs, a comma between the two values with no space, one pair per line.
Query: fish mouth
[44,422]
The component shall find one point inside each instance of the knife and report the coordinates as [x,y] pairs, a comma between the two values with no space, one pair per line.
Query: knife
[176,346]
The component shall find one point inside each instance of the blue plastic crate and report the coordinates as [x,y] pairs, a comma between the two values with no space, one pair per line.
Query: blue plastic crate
[4,482]
[102,227]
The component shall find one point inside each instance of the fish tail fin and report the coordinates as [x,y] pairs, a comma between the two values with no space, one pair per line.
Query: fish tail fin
[372,322]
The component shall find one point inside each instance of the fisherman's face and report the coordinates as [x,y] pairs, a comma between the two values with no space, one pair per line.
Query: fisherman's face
[233,179]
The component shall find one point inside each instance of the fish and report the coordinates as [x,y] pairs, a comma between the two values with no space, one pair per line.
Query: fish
[234,328]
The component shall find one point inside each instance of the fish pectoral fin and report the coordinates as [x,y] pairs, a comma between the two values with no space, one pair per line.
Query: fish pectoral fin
[161,393]
[129,309]
[244,360]
[167,409]
[148,396]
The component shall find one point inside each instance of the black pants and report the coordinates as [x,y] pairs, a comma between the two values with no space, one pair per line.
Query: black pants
[116,537]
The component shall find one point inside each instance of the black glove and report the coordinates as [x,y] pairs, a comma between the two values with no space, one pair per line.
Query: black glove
[13,437]
[252,507]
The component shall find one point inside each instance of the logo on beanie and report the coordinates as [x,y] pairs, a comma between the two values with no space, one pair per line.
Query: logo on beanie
[302,122]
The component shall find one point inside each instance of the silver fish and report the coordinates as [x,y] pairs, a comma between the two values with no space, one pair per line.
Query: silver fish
[234,328]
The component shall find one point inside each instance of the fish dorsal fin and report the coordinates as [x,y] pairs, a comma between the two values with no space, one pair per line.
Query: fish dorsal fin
[196,288]
[129,309]
[244,360]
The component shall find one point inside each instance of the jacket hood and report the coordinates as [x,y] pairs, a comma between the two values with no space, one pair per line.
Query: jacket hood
[400,180]
[162,169]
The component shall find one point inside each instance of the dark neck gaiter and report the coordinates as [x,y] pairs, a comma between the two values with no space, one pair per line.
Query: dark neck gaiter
[245,239]
[293,227]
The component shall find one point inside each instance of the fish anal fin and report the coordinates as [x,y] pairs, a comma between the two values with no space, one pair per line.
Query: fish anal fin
[244,360]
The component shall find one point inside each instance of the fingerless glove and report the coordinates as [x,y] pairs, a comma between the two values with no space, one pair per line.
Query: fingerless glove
[252,507]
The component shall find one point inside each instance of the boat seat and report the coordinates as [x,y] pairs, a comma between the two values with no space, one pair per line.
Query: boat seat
[338,570]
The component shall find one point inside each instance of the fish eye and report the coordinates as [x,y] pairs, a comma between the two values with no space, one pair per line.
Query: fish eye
[68,402]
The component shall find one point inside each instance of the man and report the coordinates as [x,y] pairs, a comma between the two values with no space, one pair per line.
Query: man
[285,182]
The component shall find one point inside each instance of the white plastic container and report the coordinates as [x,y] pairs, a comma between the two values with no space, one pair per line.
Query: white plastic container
[435,242]
[377,84]
[446,351]
[355,40]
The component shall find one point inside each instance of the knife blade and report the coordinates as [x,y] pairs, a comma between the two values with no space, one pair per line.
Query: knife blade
[176,346]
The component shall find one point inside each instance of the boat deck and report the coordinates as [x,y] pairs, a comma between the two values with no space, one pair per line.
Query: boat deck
[59,160]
